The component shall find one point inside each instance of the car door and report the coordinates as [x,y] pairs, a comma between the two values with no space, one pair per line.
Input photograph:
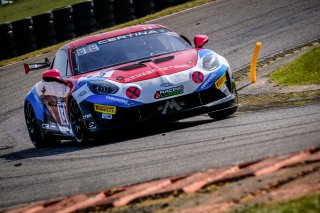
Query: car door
[54,94]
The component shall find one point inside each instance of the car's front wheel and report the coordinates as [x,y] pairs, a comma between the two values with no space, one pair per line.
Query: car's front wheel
[77,123]
[39,138]
[222,113]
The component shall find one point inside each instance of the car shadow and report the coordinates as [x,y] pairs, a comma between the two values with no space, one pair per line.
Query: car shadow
[113,137]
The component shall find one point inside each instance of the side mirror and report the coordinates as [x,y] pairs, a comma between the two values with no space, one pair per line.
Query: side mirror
[52,75]
[200,40]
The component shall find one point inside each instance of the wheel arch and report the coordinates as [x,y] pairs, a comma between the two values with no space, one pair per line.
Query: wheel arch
[36,103]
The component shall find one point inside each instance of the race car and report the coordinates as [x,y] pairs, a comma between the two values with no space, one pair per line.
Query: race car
[139,74]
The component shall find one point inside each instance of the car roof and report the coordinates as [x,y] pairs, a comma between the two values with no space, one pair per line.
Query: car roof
[110,34]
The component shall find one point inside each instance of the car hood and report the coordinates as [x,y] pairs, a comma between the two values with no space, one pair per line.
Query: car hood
[159,66]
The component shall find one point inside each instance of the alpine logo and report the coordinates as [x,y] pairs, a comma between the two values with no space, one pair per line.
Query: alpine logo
[171,104]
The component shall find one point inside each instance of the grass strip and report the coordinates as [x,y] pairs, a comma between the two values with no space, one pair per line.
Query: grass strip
[304,70]
[309,204]
[24,8]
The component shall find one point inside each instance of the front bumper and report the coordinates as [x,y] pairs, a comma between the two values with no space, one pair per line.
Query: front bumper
[190,105]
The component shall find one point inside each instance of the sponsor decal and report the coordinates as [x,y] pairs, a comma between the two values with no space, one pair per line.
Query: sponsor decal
[82,93]
[220,82]
[87,116]
[197,77]
[107,116]
[53,126]
[152,71]
[120,100]
[105,109]
[105,74]
[43,90]
[64,129]
[92,125]
[45,126]
[87,49]
[62,113]
[166,85]
[133,92]
[171,104]
[209,80]
[169,92]
[131,35]
[119,78]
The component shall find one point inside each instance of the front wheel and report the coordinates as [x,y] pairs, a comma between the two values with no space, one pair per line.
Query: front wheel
[38,138]
[219,115]
[77,123]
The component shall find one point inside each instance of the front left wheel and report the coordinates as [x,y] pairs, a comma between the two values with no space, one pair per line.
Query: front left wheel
[78,126]
[39,138]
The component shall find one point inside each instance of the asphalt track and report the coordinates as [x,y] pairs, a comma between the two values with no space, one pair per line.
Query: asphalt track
[145,153]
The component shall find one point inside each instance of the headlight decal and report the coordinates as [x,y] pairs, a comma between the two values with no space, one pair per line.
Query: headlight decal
[102,87]
[211,62]
[212,78]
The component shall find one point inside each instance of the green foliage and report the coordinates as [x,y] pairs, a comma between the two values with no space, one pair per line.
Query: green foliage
[308,204]
[24,8]
[304,70]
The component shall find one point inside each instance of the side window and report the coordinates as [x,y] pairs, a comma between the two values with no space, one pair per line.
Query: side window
[61,63]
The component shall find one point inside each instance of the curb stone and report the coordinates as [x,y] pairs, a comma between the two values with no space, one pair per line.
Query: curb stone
[275,175]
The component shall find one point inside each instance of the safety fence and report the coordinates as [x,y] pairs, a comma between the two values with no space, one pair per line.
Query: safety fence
[61,24]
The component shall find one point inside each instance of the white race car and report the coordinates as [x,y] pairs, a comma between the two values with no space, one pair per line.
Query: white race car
[124,77]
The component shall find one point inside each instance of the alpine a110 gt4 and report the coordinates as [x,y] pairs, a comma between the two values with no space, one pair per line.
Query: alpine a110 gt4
[126,77]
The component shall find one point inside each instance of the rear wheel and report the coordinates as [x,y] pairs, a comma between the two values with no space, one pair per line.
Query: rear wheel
[39,138]
[77,123]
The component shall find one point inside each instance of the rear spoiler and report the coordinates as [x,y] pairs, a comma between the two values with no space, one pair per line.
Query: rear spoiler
[36,66]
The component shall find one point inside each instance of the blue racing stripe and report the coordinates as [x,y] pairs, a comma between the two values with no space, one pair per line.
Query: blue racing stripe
[37,104]
[113,101]
[212,78]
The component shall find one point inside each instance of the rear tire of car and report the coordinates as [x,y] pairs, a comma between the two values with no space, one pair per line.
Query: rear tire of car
[39,138]
[78,126]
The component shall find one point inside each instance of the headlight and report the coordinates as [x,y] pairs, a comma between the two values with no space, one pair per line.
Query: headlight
[211,62]
[102,87]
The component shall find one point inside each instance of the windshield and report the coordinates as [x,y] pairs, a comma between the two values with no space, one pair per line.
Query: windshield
[126,48]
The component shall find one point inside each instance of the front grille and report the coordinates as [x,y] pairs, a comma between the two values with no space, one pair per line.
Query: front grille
[185,102]
[210,95]
[157,108]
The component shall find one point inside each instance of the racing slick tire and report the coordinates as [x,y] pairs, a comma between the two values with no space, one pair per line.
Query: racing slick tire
[39,138]
[77,123]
